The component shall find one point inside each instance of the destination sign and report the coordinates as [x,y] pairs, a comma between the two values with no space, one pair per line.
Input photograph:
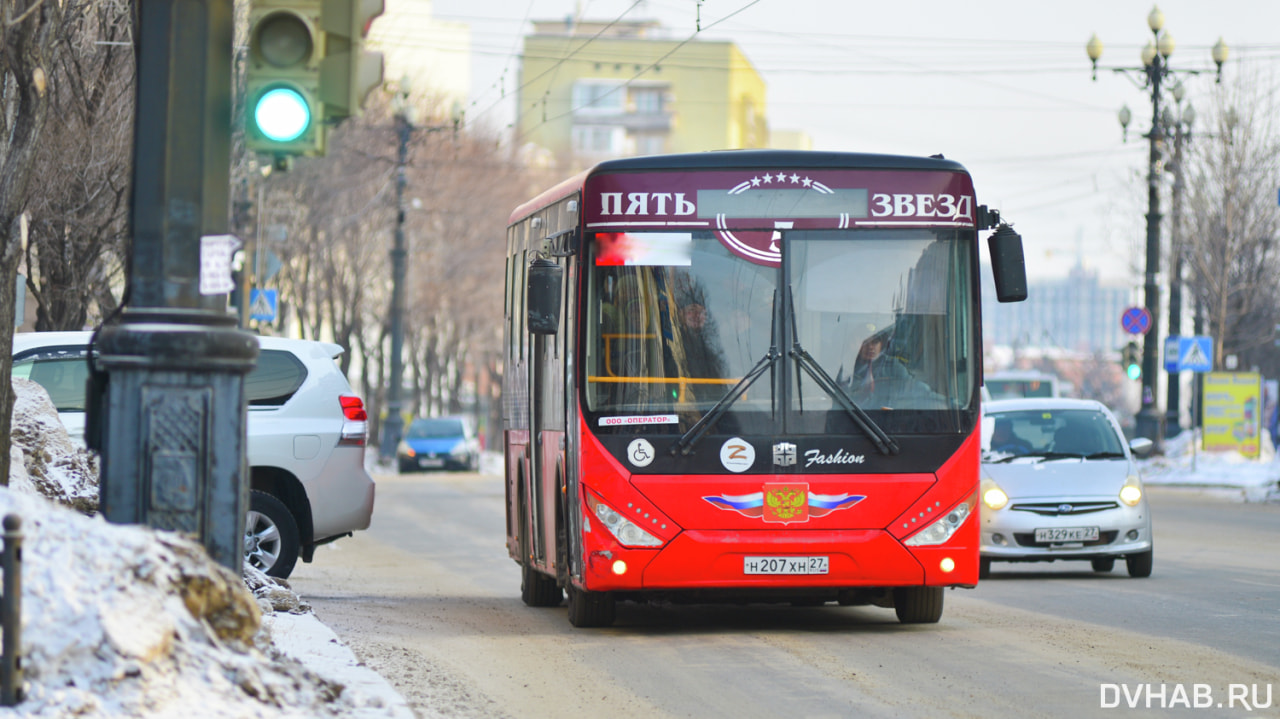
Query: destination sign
[746,199]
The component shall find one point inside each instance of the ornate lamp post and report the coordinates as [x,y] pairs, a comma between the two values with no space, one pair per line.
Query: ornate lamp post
[1155,69]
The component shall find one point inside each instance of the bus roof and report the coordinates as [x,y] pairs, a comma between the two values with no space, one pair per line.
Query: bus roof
[733,159]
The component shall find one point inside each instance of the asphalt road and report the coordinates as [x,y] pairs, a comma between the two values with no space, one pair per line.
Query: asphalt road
[428,598]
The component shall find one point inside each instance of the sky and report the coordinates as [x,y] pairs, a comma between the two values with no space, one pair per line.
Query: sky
[1002,86]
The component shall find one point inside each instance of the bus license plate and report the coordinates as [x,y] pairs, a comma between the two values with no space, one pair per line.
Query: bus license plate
[1067,534]
[784,565]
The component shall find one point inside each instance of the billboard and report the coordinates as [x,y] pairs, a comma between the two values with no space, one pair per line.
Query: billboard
[1232,404]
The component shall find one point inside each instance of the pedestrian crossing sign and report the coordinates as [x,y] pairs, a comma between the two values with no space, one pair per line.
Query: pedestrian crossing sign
[1193,354]
[263,305]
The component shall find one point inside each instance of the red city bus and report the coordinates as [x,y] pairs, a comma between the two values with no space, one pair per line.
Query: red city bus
[748,376]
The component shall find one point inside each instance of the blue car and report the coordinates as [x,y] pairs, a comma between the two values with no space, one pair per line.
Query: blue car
[439,443]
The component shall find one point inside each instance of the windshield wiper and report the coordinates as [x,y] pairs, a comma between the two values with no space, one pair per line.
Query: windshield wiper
[1055,455]
[823,379]
[883,441]
[685,444]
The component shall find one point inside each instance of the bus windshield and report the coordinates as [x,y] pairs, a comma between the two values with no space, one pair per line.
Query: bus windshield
[676,320]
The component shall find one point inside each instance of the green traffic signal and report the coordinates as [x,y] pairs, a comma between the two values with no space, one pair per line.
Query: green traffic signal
[1134,371]
[282,114]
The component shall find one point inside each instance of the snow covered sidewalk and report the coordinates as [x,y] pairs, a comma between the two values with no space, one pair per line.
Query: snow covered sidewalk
[128,621]
[309,641]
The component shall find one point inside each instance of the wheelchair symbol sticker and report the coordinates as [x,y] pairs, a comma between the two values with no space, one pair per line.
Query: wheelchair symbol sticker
[640,452]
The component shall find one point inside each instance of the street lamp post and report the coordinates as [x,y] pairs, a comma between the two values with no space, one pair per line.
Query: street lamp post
[392,428]
[1156,70]
[1178,121]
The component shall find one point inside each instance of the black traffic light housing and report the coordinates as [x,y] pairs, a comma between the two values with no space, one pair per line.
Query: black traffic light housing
[282,80]
[1131,360]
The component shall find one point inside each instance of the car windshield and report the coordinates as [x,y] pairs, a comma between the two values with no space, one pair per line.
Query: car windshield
[62,374]
[1049,433]
[680,319]
[435,429]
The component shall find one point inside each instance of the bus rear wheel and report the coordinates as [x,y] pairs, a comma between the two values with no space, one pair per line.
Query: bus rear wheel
[918,605]
[538,589]
[590,609]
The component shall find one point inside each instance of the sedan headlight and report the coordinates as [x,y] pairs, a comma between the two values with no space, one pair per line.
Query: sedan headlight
[992,495]
[404,450]
[1131,492]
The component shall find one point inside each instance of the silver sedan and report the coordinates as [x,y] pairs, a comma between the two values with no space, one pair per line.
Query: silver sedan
[1060,482]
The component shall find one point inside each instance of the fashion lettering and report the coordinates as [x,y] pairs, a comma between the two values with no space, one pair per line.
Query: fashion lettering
[815,456]
[646,203]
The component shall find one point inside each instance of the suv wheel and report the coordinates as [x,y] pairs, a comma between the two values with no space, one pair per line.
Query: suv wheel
[270,536]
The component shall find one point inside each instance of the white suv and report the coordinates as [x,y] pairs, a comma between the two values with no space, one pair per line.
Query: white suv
[307,431]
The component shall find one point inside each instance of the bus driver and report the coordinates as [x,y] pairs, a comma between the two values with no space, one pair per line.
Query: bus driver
[874,365]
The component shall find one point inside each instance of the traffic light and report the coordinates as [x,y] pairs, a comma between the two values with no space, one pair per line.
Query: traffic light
[307,70]
[348,73]
[286,49]
[1131,359]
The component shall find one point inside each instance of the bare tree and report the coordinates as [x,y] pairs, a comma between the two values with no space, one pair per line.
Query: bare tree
[29,31]
[80,199]
[1232,224]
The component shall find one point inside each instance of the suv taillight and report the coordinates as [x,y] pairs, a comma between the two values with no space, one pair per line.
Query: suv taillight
[353,408]
[355,430]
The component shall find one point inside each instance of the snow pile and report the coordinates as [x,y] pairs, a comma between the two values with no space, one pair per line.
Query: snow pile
[1184,465]
[126,621]
[55,467]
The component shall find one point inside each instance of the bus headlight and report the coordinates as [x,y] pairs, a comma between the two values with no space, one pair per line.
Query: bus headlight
[1131,492]
[992,495]
[622,529]
[941,530]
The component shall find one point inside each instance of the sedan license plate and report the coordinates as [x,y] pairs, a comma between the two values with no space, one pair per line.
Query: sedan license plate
[1067,534]
[785,565]
[430,462]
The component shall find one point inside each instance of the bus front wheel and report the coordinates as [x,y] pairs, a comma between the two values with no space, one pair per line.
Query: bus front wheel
[590,609]
[918,605]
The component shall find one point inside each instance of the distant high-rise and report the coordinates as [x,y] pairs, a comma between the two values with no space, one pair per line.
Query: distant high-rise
[1075,314]
[590,91]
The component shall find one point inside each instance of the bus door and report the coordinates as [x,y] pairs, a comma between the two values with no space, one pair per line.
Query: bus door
[547,421]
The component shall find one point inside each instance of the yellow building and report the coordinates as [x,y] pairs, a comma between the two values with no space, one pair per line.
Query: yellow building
[589,92]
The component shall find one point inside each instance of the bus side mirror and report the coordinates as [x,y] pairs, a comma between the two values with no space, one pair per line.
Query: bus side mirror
[545,278]
[1008,265]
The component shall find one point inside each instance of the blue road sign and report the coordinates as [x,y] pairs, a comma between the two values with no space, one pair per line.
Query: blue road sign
[1194,354]
[263,305]
[1136,320]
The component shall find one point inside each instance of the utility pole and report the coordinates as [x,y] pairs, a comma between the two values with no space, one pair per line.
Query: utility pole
[392,430]
[1178,122]
[166,402]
